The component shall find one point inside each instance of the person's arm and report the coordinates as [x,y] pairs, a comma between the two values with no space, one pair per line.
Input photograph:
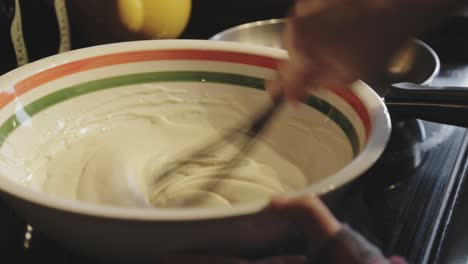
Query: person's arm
[335,42]
[328,241]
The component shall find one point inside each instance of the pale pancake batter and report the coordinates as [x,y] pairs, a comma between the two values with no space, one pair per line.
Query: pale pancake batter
[119,163]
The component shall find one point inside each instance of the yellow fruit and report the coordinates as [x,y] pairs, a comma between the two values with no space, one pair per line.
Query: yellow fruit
[155,18]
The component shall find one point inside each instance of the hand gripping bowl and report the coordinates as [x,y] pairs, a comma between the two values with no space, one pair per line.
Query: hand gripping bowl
[38,99]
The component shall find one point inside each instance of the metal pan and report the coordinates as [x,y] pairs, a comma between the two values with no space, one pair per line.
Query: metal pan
[403,86]
[418,63]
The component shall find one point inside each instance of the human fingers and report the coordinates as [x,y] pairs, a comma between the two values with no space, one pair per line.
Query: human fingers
[296,74]
[305,208]
[309,216]
[295,80]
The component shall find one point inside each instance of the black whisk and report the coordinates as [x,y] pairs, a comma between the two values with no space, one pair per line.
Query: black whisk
[254,128]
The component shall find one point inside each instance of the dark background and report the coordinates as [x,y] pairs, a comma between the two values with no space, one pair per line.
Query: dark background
[209,17]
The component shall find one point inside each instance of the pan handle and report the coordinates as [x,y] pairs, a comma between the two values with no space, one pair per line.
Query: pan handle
[446,105]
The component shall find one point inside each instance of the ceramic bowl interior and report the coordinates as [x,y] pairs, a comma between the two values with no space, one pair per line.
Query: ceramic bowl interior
[333,137]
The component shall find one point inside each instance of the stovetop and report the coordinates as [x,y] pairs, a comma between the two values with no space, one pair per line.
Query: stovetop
[402,209]
[410,203]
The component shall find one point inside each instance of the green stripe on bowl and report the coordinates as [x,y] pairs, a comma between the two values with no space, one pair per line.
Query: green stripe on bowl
[340,119]
[171,76]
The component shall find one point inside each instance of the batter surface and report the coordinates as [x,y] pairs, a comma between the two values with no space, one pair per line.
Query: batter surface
[116,153]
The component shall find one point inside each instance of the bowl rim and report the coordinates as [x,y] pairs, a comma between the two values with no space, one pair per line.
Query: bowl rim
[220,35]
[378,138]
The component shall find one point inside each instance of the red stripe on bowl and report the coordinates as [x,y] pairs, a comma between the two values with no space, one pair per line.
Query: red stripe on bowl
[357,105]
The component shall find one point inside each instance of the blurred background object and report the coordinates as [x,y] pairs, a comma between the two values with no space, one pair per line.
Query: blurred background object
[107,21]
[31,30]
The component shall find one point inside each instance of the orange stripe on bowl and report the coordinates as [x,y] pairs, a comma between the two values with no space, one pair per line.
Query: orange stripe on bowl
[134,56]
